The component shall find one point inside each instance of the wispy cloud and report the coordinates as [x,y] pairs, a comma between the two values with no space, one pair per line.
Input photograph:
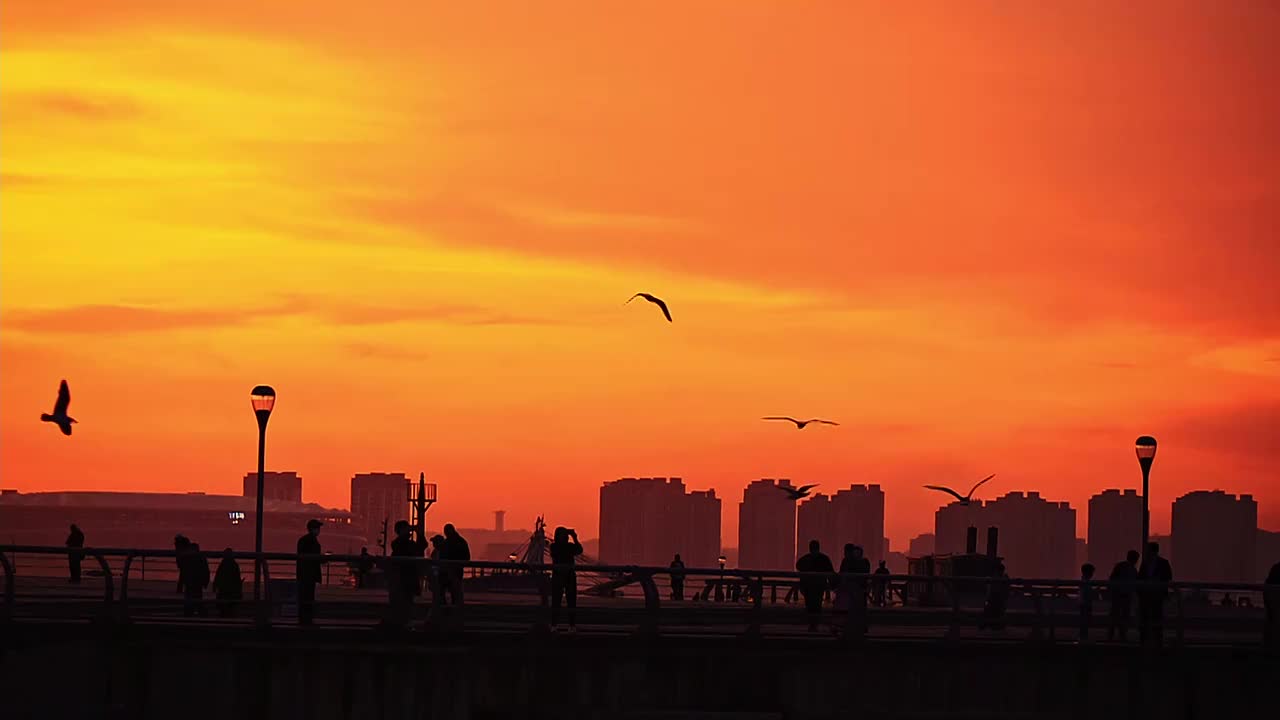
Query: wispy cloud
[585,219]
[448,314]
[387,352]
[98,319]
[71,104]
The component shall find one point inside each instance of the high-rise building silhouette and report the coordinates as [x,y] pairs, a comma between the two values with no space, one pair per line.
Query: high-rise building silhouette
[853,515]
[702,549]
[1215,536]
[1115,523]
[285,486]
[1037,536]
[645,521]
[376,497]
[766,526]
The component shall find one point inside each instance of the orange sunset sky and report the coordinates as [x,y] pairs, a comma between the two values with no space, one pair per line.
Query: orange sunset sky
[986,237]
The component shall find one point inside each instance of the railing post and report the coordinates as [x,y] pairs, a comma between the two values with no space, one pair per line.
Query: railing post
[757,606]
[108,585]
[1037,623]
[262,610]
[649,625]
[124,586]
[1051,620]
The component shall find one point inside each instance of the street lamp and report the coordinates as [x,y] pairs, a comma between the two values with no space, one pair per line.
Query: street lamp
[263,398]
[1146,450]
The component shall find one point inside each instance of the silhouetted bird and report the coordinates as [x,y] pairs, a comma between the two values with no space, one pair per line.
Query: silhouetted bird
[796,493]
[59,415]
[964,499]
[800,423]
[656,301]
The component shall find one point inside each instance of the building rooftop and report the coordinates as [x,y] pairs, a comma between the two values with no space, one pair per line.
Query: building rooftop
[160,501]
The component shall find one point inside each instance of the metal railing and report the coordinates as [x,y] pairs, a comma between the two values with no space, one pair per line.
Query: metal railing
[507,596]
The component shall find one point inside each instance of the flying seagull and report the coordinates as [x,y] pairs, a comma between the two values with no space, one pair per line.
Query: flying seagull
[796,493]
[964,499]
[656,301]
[800,423]
[60,416]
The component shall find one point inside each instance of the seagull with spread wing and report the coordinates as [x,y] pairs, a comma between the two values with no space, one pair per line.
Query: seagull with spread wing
[800,423]
[796,493]
[655,300]
[60,416]
[964,499]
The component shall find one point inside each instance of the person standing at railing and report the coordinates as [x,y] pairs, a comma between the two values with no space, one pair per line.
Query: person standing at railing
[436,577]
[1086,599]
[851,590]
[307,571]
[75,541]
[193,576]
[1157,572]
[564,551]
[455,549]
[677,578]
[881,587]
[228,586]
[818,571]
[1123,575]
[405,585]
[363,566]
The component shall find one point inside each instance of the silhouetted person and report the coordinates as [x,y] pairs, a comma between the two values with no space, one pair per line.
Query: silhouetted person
[1125,572]
[437,577]
[1154,569]
[1227,602]
[851,590]
[405,585]
[363,567]
[881,588]
[180,546]
[75,541]
[308,571]
[564,549]
[677,578]
[228,586]
[997,599]
[193,577]
[1271,600]
[813,587]
[1086,598]
[455,550]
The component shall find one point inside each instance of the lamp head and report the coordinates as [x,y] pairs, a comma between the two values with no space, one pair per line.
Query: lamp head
[263,398]
[1145,447]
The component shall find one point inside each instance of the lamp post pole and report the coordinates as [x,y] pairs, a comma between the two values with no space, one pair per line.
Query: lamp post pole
[263,398]
[1146,451]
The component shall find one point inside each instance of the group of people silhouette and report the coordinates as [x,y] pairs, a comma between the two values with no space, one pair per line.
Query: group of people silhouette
[851,585]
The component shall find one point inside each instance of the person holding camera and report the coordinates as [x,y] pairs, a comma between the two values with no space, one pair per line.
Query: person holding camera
[565,549]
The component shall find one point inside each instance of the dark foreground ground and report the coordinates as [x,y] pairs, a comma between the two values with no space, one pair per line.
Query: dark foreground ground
[80,670]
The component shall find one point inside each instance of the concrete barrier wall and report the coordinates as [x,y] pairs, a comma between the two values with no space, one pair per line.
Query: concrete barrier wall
[230,674]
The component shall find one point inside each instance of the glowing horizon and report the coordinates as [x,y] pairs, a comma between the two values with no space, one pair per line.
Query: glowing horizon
[989,239]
